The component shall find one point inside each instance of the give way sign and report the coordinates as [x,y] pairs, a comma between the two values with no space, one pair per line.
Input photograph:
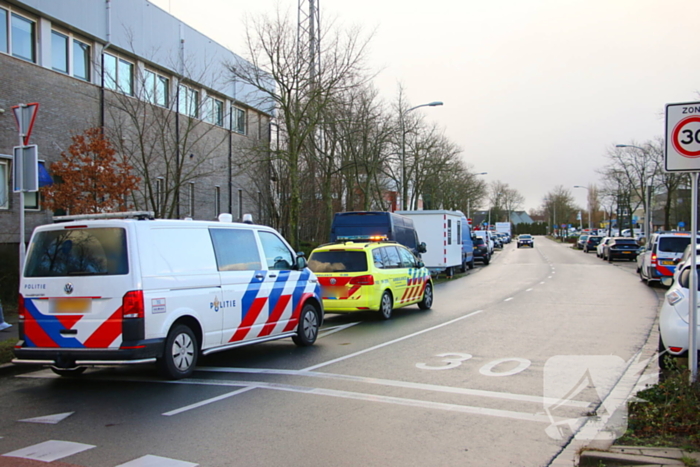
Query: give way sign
[683,137]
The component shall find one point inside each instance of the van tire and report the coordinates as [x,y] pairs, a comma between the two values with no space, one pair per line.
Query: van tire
[427,300]
[180,354]
[386,305]
[307,330]
[471,264]
[75,371]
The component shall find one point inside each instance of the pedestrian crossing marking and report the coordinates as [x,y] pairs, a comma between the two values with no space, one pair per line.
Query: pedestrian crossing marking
[49,451]
[49,419]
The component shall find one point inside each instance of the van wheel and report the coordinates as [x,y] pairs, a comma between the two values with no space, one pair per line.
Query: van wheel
[463,267]
[471,264]
[77,371]
[180,354]
[427,300]
[386,305]
[307,331]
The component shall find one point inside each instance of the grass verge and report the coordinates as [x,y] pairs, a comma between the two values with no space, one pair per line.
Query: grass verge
[668,416]
[6,351]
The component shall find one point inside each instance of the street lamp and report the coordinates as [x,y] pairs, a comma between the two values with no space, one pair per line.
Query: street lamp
[650,223]
[469,201]
[590,225]
[404,185]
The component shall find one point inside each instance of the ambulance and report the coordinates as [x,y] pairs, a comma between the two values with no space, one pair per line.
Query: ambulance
[99,290]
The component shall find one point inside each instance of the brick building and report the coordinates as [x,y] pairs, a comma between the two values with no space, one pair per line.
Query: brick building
[160,89]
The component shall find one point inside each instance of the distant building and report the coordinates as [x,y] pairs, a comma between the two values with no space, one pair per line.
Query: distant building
[520,217]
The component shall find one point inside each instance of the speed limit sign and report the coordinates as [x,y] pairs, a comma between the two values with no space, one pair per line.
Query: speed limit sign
[683,137]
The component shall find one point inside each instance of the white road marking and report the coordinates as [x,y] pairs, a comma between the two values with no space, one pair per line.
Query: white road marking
[399,384]
[508,299]
[49,451]
[487,370]
[377,398]
[49,419]
[370,349]
[208,401]
[156,461]
[529,290]
[334,329]
[542,282]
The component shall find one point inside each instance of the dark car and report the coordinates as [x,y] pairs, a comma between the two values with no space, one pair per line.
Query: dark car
[525,240]
[591,243]
[481,250]
[621,248]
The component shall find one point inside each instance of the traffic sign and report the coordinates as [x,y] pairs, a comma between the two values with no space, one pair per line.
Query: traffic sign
[25,115]
[26,168]
[682,137]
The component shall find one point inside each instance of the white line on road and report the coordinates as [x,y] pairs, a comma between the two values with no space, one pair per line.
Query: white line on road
[208,401]
[333,329]
[376,398]
[529,290]
[508,299]
[370,349]
[399,384]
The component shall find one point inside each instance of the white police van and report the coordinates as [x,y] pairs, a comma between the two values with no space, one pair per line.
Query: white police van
[135,290]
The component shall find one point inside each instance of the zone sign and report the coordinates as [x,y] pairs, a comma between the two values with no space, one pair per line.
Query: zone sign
[683,137]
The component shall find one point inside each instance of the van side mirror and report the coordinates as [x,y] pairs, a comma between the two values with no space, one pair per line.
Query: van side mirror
[301,261]
[422,247]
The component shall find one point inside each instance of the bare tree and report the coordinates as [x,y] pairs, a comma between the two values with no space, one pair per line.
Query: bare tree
[298,94]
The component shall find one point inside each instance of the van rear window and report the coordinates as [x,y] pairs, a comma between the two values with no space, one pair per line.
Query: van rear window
[338,261]
[673,244]
[78,252]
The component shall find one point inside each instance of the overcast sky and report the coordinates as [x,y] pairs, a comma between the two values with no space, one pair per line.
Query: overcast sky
[535,91]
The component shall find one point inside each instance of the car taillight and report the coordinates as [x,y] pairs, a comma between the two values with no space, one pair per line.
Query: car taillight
[362,280]
[132,305]
[653,259]
[21,309]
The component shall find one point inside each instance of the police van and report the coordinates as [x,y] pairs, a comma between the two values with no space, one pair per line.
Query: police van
[98,290]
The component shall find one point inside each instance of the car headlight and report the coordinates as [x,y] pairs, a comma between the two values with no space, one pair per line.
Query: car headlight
[673,297]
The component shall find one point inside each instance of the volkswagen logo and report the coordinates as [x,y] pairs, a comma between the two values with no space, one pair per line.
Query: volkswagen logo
[332,281]
[68,288]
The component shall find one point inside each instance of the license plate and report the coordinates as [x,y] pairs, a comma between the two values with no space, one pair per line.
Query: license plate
[670,263]
[70,305]
[626,252]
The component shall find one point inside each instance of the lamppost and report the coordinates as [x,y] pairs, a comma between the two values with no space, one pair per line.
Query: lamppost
[404,184]
[469,201]
[649,227]
[590,225]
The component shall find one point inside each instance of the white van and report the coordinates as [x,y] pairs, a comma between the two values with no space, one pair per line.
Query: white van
[136,290]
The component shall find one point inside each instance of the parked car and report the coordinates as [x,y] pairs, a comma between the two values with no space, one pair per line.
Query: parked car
[488,239]
[526,240]
[481,250]
[660,256]
[621,248]
[581,240]
[104,291]
[376,276]
[591,243]
[674,317]
[601,246]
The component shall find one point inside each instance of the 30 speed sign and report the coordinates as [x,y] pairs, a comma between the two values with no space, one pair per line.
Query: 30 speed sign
[683,137]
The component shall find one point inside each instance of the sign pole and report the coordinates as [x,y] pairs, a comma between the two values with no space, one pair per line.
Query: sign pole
[20,185]
[693,302]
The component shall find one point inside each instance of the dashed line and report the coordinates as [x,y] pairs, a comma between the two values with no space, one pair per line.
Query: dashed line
[529,290]
[508,299]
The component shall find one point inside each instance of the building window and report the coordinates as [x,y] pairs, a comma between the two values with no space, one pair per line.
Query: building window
[156,88]
[31,200]
[214,111]
[4,184]
[118,74]
[23,38]
[239,120]
[3,30]
[81,60]
[217,200]
[59,52]
[189,102]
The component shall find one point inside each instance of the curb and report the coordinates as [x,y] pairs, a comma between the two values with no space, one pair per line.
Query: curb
[636,455]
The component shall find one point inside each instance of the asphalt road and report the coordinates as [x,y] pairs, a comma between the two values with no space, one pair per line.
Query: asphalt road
[507,361]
